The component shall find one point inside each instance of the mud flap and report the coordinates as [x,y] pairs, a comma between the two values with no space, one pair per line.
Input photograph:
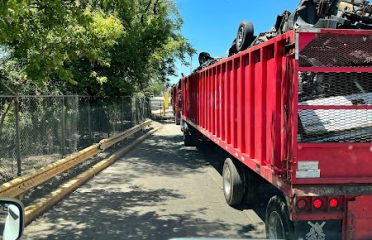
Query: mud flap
[318,230]
[359,218]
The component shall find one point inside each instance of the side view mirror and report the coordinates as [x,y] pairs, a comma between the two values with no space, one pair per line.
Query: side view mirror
[12,219]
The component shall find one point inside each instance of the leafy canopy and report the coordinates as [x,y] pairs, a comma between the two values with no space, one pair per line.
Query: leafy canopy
[96,47]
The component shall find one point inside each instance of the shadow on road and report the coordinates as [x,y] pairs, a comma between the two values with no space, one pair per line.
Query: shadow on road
[103,210]
[168,156]
[111,215]
[194,158]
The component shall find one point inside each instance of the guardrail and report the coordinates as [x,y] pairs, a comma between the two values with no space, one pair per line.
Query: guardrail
[22,184]
[41,205]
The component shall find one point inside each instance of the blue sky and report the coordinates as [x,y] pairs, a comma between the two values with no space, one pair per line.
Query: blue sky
[211,25]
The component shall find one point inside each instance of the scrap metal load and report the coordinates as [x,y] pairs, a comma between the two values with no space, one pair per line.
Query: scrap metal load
[326,50]
[335,89]
[332,14]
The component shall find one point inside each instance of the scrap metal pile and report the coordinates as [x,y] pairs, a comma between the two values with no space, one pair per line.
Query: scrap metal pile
[333,14]
[326,50]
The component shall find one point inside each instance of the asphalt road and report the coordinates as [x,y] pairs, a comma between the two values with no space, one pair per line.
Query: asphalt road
[160,190]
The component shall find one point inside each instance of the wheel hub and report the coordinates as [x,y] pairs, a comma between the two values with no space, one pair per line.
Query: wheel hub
[240,36]
[227,181]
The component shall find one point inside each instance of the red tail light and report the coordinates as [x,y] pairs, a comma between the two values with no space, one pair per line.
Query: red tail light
[317,203]
[301,204]
[333,203]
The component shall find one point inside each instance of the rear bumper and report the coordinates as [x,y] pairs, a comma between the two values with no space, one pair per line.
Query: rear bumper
[353,223]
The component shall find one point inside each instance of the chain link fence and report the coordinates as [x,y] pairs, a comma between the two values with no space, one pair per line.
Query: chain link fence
[38,130]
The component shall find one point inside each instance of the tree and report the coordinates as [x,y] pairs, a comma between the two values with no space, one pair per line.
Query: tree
[96,47]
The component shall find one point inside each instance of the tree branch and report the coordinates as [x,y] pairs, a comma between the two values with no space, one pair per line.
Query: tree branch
[146,10]
[156,4]
[4,115]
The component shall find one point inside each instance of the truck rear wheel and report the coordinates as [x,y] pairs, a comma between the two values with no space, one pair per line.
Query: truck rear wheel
[177,119]
[233,183]
[277,223]
[189,138]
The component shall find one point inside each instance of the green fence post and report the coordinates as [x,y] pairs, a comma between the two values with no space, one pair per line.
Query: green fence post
[18,137]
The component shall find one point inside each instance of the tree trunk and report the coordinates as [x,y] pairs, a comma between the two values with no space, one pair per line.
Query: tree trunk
[2,119]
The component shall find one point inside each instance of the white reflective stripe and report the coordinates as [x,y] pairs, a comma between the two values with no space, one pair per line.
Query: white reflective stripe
[308,165]
[308,174]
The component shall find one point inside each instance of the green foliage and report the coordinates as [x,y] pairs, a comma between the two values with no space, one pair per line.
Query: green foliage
[96,47]
[154,89]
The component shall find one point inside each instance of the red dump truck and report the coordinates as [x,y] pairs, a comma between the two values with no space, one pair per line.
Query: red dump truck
[294,111]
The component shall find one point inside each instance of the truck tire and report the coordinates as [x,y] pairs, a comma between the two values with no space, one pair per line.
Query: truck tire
[189,138]
[177,119]
[204,57]
[181,122]
[277,223]
[233,183]
[244,36]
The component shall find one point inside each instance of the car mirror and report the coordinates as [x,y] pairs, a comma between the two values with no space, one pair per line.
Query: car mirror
[11,219]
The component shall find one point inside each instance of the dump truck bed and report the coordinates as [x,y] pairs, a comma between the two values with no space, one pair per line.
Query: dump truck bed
[296,109]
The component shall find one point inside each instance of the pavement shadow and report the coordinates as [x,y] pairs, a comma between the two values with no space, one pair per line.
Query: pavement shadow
[168,156]
[167,149]
[105,210]
[102,214]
